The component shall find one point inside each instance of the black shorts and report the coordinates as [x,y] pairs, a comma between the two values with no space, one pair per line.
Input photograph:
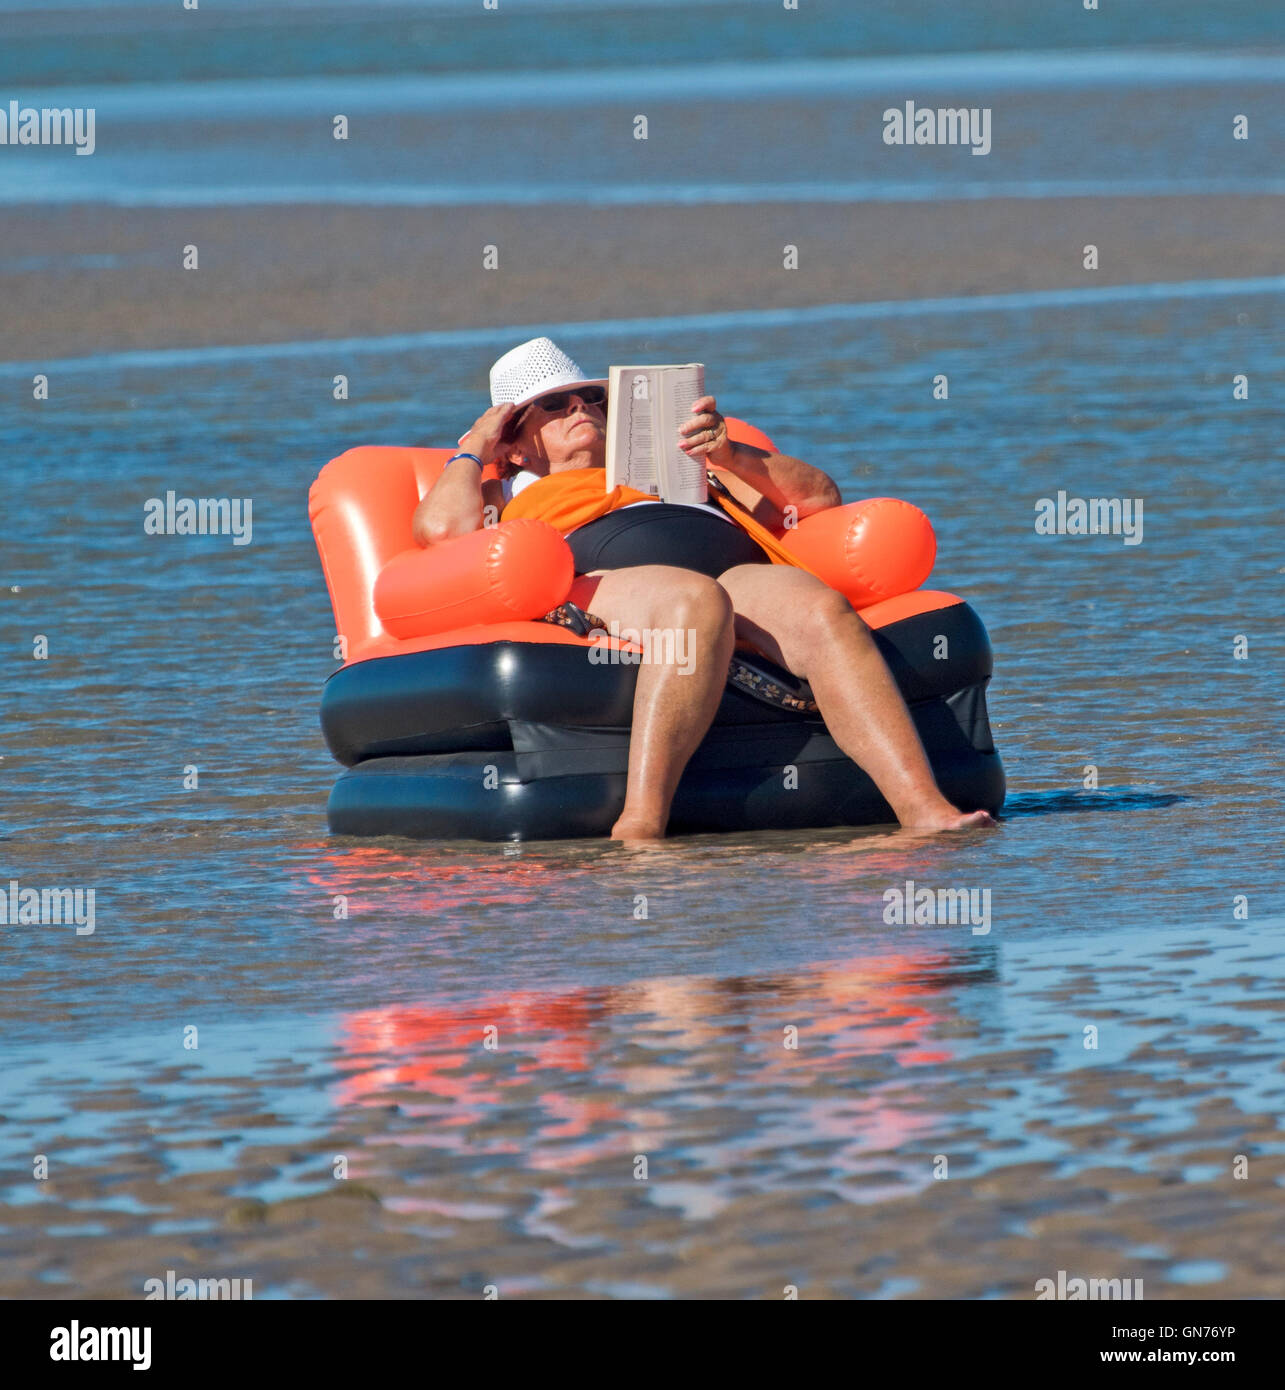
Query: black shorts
[663,533]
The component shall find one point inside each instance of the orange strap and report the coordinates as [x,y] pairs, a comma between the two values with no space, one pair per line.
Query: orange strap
[755,529]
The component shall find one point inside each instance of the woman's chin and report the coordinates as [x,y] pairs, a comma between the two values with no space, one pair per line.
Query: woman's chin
[587,438]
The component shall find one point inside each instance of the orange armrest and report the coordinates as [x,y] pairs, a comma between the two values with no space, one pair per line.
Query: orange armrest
[869,551]
[517,570]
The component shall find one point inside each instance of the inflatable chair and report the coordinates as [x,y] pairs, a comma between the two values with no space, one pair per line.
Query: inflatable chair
[457,714]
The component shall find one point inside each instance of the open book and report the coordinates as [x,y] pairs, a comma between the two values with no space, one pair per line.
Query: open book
[645,406]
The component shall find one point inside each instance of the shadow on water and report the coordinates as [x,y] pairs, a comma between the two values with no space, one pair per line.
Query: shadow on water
[1078,802]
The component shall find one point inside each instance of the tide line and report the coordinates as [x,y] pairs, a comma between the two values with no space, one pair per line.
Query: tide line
[223,99]
[712,322]
[59,185]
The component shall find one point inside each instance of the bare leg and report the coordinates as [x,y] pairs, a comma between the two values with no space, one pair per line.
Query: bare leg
[684,616]
[798,621]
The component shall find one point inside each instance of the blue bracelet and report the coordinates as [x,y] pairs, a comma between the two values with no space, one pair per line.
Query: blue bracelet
[474,457]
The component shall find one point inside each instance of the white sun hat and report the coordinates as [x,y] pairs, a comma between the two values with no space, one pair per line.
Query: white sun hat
[534,369]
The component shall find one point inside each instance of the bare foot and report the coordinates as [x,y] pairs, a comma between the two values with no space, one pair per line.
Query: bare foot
[636,830]
[946,817]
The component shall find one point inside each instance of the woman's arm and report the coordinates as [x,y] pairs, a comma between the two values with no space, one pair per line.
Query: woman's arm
[755,476]
[780,480]
[454,505]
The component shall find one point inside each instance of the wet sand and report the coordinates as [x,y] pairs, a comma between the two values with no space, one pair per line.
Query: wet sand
[970,1239]
[78,280]
[361,1037]
[443,1197]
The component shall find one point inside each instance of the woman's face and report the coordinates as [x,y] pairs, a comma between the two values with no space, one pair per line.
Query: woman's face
[572,437]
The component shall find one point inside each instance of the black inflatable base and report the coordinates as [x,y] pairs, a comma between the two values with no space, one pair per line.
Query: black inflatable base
[782,777]
[530,741]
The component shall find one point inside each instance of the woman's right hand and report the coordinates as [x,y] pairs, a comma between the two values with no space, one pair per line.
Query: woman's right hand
[486,435]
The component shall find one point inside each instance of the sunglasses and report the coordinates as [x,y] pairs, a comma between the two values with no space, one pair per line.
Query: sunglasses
[553,404]
[557,401]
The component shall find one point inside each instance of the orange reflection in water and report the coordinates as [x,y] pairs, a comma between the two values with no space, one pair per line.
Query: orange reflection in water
[431,882]
[610,1061]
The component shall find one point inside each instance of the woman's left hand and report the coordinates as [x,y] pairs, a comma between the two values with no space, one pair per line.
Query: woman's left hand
[705,434]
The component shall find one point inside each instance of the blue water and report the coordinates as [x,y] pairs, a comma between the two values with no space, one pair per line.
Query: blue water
[452,104]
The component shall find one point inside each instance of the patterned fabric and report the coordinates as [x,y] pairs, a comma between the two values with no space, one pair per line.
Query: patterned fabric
[781,691]
[568,615]
[746,675]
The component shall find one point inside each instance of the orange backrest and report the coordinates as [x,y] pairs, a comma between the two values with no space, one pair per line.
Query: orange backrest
[361,508]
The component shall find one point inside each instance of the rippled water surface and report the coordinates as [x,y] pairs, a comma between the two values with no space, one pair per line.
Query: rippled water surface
[522,105]
[362,1036]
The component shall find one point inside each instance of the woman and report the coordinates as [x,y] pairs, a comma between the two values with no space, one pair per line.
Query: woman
[647,565]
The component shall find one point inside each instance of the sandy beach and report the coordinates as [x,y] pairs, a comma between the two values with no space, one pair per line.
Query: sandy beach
[84,279]
[358,1242]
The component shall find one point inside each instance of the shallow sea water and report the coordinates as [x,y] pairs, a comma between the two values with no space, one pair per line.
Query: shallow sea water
[536,102]
[819,1166]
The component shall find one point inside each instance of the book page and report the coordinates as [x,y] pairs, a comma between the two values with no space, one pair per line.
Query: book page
[682,477]
[631,430]
[646,404]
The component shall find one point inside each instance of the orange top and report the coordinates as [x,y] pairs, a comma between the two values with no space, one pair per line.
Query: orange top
[576,496]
